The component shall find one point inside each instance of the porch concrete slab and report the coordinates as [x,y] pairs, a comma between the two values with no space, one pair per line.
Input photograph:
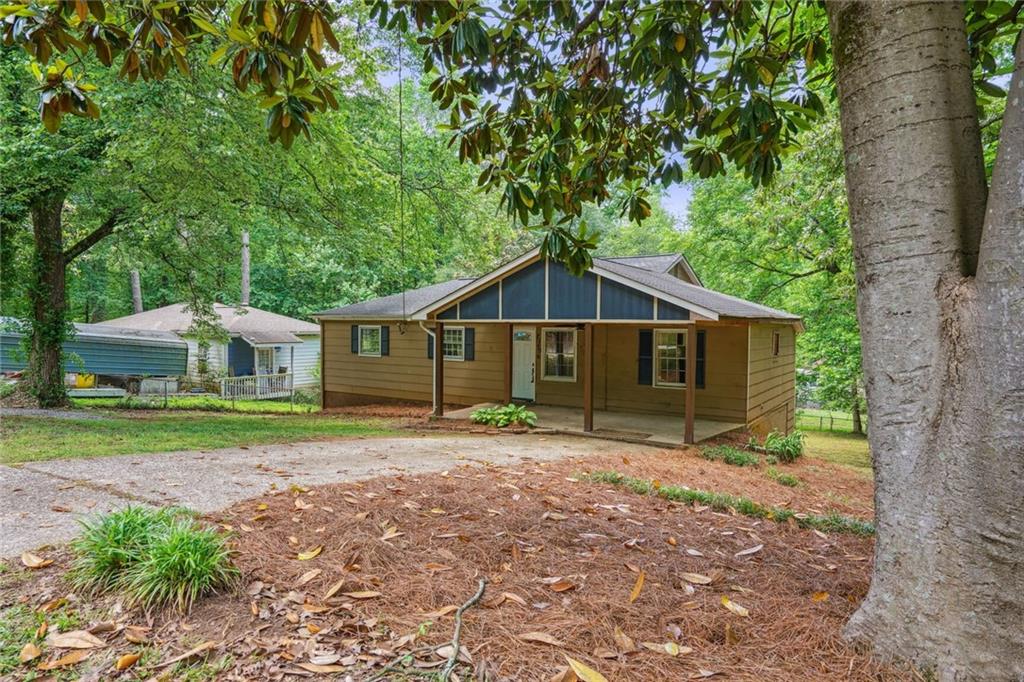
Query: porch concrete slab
[656,429]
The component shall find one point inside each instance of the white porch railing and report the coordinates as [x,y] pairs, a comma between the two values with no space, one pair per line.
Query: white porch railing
[259,387]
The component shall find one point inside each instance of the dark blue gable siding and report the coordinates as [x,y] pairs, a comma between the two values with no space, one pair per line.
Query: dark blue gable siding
[670,311]
[481,306]
[619,302]
[522,294]
[450,313]
[571,297]
[241,358]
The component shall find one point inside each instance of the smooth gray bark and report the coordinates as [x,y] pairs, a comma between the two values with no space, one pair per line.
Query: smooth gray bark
[943,347]
[244,298]
[136,292]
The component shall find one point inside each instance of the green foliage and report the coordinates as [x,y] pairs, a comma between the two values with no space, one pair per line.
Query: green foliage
[730,455]
[506,415]
[18,624]
[183,562]
[787,448]
[835,523]
[157,557]
[198,403]
[788,480]
[112,543]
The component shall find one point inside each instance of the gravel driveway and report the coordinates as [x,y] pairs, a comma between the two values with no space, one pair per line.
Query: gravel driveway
[42,501]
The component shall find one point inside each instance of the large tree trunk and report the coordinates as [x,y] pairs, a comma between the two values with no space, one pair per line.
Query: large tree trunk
[46,365]
[940,304]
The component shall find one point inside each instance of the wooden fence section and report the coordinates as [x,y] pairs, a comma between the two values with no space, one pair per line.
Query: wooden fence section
[260,387]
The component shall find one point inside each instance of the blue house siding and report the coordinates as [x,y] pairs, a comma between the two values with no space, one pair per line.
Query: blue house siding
[670,311]
[619,302]
[104,356]
[481,306]
[522,294]
[241,358]
[571,297]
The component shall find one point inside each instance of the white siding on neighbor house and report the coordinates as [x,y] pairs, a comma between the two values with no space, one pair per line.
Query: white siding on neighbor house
[216,359]
[307,360]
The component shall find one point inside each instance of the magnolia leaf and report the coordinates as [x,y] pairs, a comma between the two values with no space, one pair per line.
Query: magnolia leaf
[334,589]
[64,661]
[34,561]
[307,576]
[734,607]
[311,554]
[696,578]
[564,675]
[541,637]
[637,587]
[584,672]
[29,652]
[563,585]
[126,661]
[750,550]
[76,639]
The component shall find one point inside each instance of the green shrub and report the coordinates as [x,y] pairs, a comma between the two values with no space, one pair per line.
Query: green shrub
[183,563]
[781,478]
[156,556]
[786,448]
[507,415]
[730,455]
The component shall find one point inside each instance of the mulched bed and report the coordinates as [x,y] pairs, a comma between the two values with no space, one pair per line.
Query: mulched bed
[562,558]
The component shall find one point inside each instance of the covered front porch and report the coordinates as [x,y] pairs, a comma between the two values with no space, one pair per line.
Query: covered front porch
[654,429]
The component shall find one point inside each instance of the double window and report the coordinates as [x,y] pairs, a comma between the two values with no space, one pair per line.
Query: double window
[454,343]
[369,341]
[670,357]
[560,354]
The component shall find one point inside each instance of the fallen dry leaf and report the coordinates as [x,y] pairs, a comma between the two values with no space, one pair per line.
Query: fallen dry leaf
[819,596]
[750,550]
[324,669]
[730,635]
[126,661]
[391,533]
[584,672]
[443,611]
[195,651]
[34,561]
[307,576]
[334,589]
[734,607]
[637,587]
[64,661]
[562,585]
[76,639]
[564,675]
[624,641]
[29,652]
[311,554]
[696,578]
[365,594]
[541,637]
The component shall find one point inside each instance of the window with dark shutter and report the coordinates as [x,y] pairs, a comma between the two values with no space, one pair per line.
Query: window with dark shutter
[701,349]
[469,343]
[355,338]
[430,346]
[385,340]
[645,357]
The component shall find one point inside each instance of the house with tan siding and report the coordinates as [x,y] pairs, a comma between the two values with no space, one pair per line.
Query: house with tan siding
[635,341]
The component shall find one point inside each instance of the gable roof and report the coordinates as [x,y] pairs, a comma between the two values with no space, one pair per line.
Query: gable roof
[234,319]
[646,273]
[390,307]
[659,262]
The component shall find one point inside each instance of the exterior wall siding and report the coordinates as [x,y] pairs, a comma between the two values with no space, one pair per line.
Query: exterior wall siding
[771,402]
[407,373]
[104,356]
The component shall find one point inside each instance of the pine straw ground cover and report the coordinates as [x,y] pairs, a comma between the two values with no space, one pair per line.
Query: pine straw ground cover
[390,559]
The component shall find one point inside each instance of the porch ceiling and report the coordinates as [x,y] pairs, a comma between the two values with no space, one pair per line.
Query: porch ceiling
[654,429]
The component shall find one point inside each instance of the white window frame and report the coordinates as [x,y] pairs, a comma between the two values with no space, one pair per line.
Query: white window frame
[462,344]
[655,381]
[380,340]
[544,354]
[257,363]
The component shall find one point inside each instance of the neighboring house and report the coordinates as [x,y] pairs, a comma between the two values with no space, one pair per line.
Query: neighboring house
[259,342]
[106,350]
[616,340]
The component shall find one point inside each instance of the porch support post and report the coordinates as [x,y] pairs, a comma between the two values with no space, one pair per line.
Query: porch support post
[508,363]
[588,377]
[439,369]
[691,381]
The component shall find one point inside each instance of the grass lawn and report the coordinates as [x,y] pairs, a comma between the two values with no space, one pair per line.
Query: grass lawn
[203,403]
[840,448]
[28,439]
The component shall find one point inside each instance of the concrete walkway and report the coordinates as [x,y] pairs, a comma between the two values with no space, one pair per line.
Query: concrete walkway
[42,501]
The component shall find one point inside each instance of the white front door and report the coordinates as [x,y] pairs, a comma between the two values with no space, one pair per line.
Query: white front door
[524,355]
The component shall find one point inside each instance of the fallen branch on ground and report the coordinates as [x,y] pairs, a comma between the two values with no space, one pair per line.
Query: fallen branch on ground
[446,672]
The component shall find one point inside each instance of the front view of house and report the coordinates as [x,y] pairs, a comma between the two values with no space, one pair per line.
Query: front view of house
[633,338]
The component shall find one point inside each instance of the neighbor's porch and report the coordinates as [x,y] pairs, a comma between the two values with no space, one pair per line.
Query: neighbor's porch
[654,429]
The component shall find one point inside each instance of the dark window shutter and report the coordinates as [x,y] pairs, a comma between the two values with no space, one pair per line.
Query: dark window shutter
[355,338]
[701,349]
[430,346]
[645,360]
[385,340]
[469,343]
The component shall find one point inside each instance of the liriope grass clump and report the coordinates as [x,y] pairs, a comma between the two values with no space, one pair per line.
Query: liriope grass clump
[730,455]
[830,523]
[156,557]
